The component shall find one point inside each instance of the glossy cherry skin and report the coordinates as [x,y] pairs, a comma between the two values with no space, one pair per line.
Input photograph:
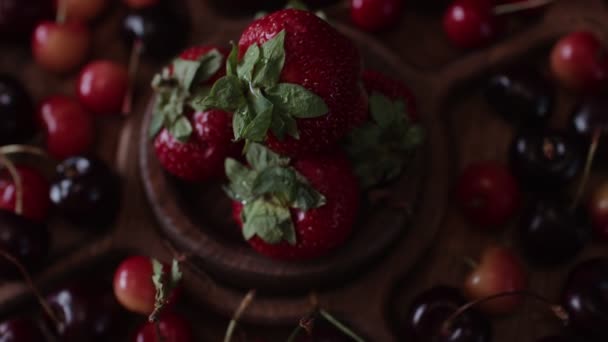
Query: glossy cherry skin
[25,240]
[550,234]
[35,189]
[173,328]
[68,127]
[376,15]
[82,11]
[16,111]
[160,28]
[591,114]
[18,17]
[598,211]
[133,287]
[60,48]
[87,311]
[470,24]
[20,329]
[102,86]
[585,298]
[499,271]
[488,194]
[429,311]
[579,61]
[545,161]
[86,192]
[521,96]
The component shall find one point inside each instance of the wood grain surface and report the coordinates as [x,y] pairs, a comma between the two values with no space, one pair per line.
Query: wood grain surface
[447,82]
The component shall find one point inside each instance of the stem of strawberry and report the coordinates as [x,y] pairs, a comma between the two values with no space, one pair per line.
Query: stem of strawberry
[134,59]
[595,140]
[556,310]
[520,6]
[12,170]
[237,315]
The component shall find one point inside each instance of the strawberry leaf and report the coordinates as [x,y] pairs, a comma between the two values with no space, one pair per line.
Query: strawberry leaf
[232,60]
[260,158]
[256,128]
[296,4]
[181,129]
[297,101]
[249,62]
[241,180]
[226,94]
[273,59]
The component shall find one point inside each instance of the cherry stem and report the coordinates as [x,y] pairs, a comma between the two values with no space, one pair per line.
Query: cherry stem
[134,59]
[12,170]
[237,314]
[62,11]
[33,288]
[24,149]
[557,310]
[595,140]
[520,6]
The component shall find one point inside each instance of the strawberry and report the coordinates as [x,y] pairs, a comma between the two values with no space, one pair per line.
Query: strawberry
[381,147]
[293,211]
[293,82]
[191,145]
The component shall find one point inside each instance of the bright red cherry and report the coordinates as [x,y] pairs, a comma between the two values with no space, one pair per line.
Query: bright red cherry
[133,287]
[60,48]
[81,11]
[470,24]
[69,128]
[102,86]
[35,193]
[580,61]
[376,15]
[499,271]
[173,328]
[138,4]
[488,194]
[598,210]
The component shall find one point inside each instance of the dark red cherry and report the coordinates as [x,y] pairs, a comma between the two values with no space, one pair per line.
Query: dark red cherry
[102,86]
[585,298]
[591,114]
[551,234]
[470,23]
[86,191]
[545,161]
[26,240]
[18,17]
[87,311]
[173,328]
[20,329]
[16,111]
[35,189]
[376,15]
[429,311]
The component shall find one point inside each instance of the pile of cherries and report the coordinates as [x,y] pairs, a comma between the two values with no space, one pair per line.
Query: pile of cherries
[553,227]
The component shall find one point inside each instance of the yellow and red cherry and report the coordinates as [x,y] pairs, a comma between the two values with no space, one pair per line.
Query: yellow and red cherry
[499,271]
[376,15]
[68,127]
[579,61]
[60,47]
[133,286]
[35,192]
[598,211]
[102,86]
[488,194]
[81,10]
[172,327]
[470,24]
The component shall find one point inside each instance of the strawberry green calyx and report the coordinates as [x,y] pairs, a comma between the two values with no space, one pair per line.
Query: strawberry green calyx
[268,190]
[251,90]
[174,87]
[381,148]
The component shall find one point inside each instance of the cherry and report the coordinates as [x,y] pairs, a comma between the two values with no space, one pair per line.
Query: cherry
[86,191]
[376,15]
[499,271]
[521,96]
[173,328]
[35,190]
[545,161]
[69,128]
[551,233]
[87,312]
[598,211]
[16,111]
[590,115]
[579,61]
[488,194]
[20,329]
[470,23]
[102,87]
[18,17]
[81,11]
[137,4]
[585,298]
[429,311]
[25,240]
[133,285]
[60,48]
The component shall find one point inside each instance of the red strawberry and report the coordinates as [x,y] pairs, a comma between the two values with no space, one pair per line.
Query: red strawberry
[323,61]
[391,88]
[324,226]
[35,193]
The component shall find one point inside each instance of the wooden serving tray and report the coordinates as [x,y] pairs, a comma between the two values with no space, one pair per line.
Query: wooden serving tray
[376,296]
